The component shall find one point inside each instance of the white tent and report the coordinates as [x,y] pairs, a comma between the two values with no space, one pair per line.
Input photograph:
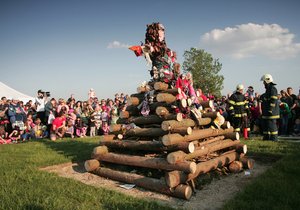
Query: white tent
[11,93]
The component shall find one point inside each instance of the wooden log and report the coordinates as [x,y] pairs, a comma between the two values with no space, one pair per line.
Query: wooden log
[143,89]
[203,167]
[160,86]
[204,121]
[177,117]
[133,101]
[140,96]
[115,128]
[155,146]
[162,111]
[247,163]
[207,104]
[153,106]
[241,148]
[199,145]
[109,137]
[197,134]
[146,132]
[144,120]
[232,135]
[157,185]
[166,97]
[132,109]
[179,156]
[146,162]
[173,91]
[99,150]
[182,130]
[212,115]
[91,165]
[172,124]
[226,125]
[236,166]
[124,114]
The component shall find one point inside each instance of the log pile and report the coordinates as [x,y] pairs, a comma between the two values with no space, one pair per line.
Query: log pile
[177,141]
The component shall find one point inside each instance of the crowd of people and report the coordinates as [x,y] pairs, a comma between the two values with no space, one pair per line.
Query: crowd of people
[47,117]
[51,118]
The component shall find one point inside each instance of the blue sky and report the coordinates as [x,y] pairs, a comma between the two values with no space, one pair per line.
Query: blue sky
[71,46]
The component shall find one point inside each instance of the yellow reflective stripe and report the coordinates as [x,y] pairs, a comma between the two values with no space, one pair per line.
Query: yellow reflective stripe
[240,115]
[274,97]
[231,108]
[232,102]
[272,105]
[271,117]
[237,129]
[246,106]
[240,103]
[274,133]
[266,132]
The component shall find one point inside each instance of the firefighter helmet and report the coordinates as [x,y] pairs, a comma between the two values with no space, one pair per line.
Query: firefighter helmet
[240,87]
[267,78]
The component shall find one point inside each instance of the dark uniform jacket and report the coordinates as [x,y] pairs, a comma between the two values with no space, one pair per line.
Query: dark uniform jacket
[238,105]
[270,103]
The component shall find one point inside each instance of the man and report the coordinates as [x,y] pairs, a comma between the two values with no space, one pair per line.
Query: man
[239,110]
[40,102]
[270,109]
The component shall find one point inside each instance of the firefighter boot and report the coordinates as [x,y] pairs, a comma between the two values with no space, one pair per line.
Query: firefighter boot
[274,137]
[266,137]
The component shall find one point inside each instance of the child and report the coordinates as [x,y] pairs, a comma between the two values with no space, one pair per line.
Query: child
[58,127]
[69,129]
[15,135]
[80,128]
[105,128]
[92,126]
[72,116]
[4,136]
[38,131]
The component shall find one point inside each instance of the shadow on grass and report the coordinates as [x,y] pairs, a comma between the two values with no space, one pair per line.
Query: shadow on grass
[77,150]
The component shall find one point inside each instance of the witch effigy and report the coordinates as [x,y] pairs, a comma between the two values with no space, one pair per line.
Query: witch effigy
[164,67]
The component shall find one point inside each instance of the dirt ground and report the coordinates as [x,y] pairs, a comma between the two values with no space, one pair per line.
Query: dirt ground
[212,196]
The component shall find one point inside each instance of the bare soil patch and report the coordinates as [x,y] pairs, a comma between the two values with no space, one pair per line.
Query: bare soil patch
[211,196]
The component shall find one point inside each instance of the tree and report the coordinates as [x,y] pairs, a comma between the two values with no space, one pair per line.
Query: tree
[204,69]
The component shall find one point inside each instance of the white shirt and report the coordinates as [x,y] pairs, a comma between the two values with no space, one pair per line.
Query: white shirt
[40,104]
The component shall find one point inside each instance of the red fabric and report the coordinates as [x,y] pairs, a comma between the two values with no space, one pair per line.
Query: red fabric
[58,122]
[137,50]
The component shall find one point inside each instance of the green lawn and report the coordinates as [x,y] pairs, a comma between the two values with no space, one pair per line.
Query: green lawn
[23,186]
[279,187]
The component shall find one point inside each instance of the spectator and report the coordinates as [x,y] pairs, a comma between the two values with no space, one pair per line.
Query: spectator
[69,129]
[58,127]
[80,128]
[40,102]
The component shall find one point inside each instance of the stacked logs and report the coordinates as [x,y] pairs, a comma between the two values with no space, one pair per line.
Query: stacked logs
[178,145]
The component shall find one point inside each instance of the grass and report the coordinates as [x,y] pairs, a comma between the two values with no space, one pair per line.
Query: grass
[23,186]
[279,187]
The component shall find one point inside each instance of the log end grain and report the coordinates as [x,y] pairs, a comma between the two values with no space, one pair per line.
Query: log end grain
[91,165]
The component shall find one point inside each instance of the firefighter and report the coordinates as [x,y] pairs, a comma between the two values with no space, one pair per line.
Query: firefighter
[270,109]
[239,110]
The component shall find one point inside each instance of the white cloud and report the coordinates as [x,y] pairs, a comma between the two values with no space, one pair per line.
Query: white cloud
[117,44]
[248,40]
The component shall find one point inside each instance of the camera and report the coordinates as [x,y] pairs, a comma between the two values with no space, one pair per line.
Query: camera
[43,93]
